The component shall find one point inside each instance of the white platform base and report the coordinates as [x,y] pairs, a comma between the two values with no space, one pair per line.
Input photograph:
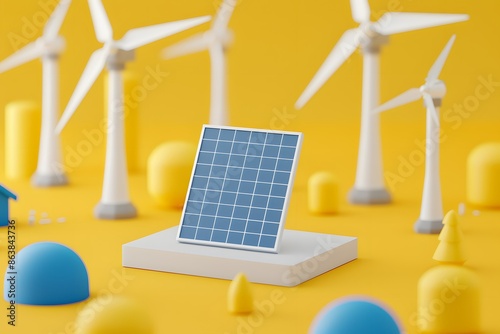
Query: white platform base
[302,256]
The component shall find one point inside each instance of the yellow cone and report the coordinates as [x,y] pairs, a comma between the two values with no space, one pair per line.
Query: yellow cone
[239,297]
[450,249]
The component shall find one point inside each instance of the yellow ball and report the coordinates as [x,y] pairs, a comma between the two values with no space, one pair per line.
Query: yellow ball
[448,301]
[119,316]
[483,175]
[169,171]
[323,193]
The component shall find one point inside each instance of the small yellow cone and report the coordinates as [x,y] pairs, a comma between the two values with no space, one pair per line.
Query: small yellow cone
[450,249]
[239,297]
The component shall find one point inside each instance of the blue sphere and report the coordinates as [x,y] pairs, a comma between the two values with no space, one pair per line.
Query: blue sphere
[354,316]
[47,273]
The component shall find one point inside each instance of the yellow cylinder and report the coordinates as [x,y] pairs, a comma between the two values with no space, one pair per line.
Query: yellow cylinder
[131,101]
[169,171]
[323,193]
[22,137]
[483,175]
[448,301]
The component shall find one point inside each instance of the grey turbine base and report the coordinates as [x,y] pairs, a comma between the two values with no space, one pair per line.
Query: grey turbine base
[428,226]
[50,180]
[373,196]
[115,211]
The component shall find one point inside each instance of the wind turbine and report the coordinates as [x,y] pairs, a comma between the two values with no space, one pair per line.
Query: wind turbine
[433,91]
[48,47]
[216,40]
[115,202]
[369,187]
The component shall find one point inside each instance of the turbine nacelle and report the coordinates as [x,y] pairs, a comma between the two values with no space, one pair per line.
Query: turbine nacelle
[51,47]
[435,88]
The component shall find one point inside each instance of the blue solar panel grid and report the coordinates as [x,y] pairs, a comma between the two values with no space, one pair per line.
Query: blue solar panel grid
[240,188]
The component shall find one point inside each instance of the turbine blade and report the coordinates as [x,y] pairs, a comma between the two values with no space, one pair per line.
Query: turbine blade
[141,36]
[53,25]
[360,11]
[439,63]
[342,50]
[393,23]
[29,52]
[192,44]
[102,27]
[94,67]
[223,15]
[429,103]
[410,95]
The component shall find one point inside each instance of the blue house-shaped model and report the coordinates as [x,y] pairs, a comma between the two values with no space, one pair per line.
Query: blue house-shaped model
[5,194]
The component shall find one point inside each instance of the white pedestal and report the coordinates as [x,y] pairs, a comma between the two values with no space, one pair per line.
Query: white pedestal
[302,256]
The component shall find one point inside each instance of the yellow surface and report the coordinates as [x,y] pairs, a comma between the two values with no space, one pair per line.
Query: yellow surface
[483,175]
[449,301]
[323,193]
[278,47]
[22,137]
[240,296]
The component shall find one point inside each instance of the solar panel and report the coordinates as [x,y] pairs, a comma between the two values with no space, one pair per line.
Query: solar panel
[240,188]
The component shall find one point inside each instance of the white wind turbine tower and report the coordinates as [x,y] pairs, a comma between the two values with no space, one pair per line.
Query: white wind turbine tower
[115,202]
[48,47]
[216,40]
[369,187]
[433,91]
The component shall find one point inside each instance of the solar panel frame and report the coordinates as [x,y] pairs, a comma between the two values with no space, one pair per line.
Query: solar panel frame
[226,214]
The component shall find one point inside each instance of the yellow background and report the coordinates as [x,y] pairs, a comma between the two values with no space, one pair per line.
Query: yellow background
[278,47]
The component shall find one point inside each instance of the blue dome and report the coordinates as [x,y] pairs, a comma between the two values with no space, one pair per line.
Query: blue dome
[48,273]
[354,316]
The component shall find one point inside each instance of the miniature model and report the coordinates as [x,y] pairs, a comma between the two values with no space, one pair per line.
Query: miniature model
[369,187]
[169,172]
[23,120]
[459,308]
[239,295]
[433,91]
[47,273]
[216,40]
[115,202]
[119,315]
[355,315]
[323,193]
[49,47]
[450,249]
[483,175]
[5,195]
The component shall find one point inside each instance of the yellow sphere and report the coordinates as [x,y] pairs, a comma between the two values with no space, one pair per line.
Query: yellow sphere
[119,316]
[323,193]
[448,301]
[169,171]
[483,175]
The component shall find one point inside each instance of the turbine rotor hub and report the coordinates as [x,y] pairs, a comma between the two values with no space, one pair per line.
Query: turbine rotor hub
[54,47]
[436,89]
